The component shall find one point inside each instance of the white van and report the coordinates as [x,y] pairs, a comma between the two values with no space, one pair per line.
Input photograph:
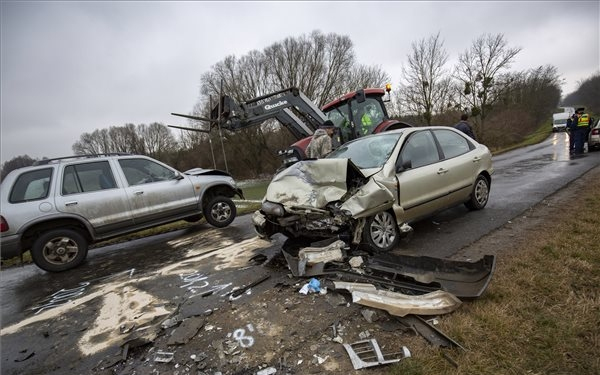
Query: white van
[559,121]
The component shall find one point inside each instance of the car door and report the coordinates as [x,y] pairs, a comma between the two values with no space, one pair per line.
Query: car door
[157,192]
[460,162]
[421,186]
[90,190]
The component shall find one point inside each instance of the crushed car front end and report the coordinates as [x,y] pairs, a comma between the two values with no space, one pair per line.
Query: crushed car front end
[319,199]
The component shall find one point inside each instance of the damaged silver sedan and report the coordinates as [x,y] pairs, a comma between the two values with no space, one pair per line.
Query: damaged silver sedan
[369,190]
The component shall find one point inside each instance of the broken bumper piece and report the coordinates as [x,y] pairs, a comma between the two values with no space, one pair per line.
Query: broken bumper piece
[398,304]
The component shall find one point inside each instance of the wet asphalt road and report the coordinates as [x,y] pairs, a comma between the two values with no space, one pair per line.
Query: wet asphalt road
[63,319]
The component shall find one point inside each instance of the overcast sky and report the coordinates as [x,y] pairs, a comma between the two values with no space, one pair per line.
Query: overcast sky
[73,67]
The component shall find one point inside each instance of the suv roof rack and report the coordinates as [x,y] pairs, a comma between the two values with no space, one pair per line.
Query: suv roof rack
[47,161]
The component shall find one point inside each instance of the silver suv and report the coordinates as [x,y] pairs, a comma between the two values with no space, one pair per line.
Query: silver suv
[58,207]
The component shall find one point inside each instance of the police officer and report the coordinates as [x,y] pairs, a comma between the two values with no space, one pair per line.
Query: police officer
[581,131]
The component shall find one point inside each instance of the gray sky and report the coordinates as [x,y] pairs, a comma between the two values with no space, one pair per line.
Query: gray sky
[73,67]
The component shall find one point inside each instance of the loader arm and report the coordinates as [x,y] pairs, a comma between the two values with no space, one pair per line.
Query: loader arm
[290,107]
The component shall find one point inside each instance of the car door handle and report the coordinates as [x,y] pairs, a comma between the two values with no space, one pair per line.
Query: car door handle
[138,192]
[71,203]
[476,159]
[442,171]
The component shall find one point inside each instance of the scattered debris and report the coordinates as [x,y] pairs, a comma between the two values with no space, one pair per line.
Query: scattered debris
[367,353]
[25,357]
[163,357]
[398,304]
[369,315]
[188,329]
[364,335]
[240,291]
[313,286]
[267,371]
[312,256]
[428,331]
[356,262]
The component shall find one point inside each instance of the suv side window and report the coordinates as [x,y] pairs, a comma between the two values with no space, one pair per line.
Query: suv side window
[81,178]
[31,186]
[451,143]
[143,171]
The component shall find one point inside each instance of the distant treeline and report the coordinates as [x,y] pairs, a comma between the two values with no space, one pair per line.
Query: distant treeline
[505,106]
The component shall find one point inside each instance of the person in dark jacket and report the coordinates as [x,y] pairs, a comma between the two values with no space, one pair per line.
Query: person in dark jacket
[464,126]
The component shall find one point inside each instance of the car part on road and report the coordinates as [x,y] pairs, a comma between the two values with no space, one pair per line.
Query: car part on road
[240,291]
[409,274]
[461,278]
[399,304]
[428,331]
[367,353]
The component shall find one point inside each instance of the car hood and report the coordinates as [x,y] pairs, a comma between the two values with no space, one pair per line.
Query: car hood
[202,171]
[315,183]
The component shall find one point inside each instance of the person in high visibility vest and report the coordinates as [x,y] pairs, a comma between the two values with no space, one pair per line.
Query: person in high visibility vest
[581,131]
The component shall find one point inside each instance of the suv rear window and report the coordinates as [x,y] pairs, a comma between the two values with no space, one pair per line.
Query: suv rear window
[31,186]
[82,178]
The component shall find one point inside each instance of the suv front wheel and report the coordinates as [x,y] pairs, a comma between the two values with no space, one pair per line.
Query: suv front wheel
[59,250]
[220,211]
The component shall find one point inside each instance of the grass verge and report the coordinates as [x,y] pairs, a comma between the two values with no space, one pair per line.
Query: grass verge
[541,313]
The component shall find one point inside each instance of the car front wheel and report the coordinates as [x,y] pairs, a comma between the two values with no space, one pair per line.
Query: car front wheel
[59,250]
[220,212]
[480,194]
[381,232]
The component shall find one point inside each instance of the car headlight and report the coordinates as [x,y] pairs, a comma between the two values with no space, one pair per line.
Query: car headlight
[274,209]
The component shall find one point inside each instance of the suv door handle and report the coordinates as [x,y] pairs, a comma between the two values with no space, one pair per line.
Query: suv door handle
[71,203]
[138,192]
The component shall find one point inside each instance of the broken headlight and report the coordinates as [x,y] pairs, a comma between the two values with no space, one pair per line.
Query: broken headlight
[274,209]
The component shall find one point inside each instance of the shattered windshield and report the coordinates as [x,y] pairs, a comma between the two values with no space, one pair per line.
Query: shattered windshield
[368,152]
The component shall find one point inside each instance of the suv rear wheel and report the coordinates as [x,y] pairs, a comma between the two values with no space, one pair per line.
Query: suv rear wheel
[220,211]
[59,250]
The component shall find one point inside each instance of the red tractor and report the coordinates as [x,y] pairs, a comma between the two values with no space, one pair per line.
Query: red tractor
[355,114]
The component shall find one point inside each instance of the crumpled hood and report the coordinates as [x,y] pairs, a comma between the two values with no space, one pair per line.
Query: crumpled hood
[314,183]
[202,171]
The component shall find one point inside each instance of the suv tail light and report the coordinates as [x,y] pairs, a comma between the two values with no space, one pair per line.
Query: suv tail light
[3,224]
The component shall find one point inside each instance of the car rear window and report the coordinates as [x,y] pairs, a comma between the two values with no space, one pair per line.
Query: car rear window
[31,186]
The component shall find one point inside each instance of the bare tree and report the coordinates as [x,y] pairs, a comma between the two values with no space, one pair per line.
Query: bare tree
[425,86]
[478,70]
[96,142]
[15,163]
[157,138]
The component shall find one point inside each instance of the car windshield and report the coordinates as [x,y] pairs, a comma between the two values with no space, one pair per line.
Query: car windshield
[368,152]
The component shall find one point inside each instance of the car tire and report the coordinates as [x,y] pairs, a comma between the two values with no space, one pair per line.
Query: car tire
[220,212]
[381,232]
[480,194]
[59,250]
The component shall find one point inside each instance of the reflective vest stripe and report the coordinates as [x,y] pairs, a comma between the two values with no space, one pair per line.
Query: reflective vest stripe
[584,120]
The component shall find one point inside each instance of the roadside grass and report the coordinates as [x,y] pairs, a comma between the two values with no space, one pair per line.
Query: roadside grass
[541,312]
[536,137]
